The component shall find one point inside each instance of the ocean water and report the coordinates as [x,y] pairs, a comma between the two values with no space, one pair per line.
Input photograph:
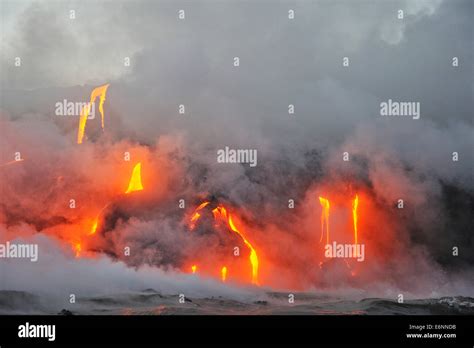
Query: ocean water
[151,302]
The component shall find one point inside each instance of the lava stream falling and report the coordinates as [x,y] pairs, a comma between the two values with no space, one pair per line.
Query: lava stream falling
[197,215]
[253,253]
[97,92]
[135,183]
[324,218]
[355,204]
[220,213]
[96,220]
[224,273]
[94,226]
[78,249]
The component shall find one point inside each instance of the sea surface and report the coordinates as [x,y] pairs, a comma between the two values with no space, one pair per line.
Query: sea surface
[151,302]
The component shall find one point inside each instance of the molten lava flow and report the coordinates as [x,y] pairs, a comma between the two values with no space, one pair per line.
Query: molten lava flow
[136,179]
[220,214]
[135,184]
[96,220]
[202,205]
[78,249]
[194,218]
[324,218]
[97,92]
[94,226]
[194,268]
[196,215]
[253,253]
[355,204]
[224,273]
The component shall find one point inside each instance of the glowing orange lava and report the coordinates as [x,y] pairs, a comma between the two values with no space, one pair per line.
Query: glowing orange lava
[78,249]
[221,213]
[97,92]
[324,218]
[135,183]
[96,220]
[94,226]
[193,268]
[253,253]
[196,215]
[355,204]
[224,273]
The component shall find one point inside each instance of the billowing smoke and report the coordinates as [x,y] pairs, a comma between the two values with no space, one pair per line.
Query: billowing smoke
[182,99]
